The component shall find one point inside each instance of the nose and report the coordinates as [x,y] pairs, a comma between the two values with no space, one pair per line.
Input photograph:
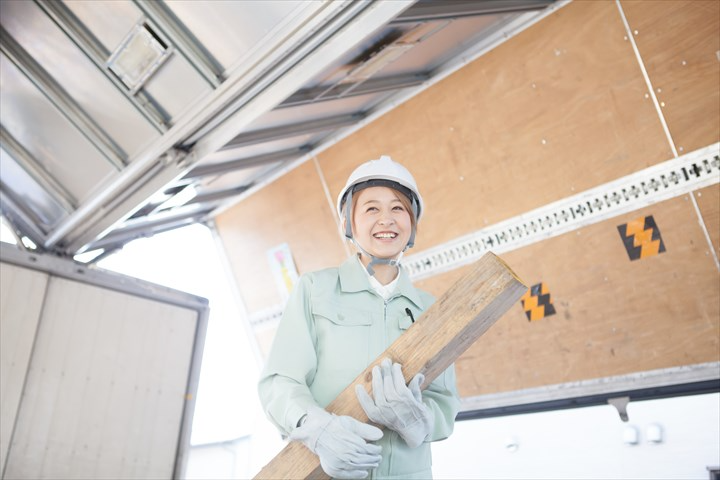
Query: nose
[386,219]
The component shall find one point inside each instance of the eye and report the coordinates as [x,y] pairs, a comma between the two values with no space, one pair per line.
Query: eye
[399,208]
[371,209]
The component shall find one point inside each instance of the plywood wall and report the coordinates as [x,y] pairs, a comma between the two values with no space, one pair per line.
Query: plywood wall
[560,108]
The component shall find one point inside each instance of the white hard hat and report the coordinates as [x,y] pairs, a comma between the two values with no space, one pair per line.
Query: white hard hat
[386,169]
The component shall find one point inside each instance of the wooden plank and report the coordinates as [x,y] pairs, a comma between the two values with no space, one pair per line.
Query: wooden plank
[466,311]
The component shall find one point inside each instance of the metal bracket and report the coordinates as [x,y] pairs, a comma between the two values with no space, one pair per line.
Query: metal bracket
[620,403]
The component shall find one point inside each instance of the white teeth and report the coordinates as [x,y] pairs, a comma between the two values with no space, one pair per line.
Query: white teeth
[385,235]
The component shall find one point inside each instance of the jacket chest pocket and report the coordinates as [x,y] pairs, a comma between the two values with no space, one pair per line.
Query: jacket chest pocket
[343,338]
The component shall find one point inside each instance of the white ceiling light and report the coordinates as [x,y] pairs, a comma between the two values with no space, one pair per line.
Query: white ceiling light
[138,56]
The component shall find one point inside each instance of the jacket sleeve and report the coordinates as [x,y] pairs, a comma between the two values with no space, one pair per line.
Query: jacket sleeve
[442,398]
[292,362]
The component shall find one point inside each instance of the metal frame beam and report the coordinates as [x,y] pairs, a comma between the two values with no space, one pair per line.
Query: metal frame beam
[242,163]
[149,227]
[97,53]
[57,95]
[374,85]
[451,9]
[317,33]
[183,40]
[20,218]
[293,129]
[28,162]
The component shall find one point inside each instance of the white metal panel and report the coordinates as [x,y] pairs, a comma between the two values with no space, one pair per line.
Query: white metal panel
[63,151]
[76,73]
[317,111]
[21,299]
[177,86]
[236,178]
[109,22]
[106,390]
[78,76]
[14,177]
[231,30]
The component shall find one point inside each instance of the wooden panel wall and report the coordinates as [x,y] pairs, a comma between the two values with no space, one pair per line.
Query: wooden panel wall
[612,315]
[558,109]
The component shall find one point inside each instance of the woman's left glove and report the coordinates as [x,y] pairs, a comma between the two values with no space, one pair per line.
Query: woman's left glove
[395,405]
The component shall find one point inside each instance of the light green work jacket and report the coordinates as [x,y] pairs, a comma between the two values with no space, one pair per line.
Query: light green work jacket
[333,327]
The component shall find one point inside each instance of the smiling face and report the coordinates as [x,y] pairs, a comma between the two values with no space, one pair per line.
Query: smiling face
[381,221]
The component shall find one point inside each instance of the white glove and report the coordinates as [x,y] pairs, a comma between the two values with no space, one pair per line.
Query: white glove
[340,442]
[395,405]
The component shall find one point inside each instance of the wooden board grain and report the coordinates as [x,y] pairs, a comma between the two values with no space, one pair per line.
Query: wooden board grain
[679,42]
[708,201]
[614,316]
[453,323]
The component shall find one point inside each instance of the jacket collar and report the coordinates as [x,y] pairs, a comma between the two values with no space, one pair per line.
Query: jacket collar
[354,279]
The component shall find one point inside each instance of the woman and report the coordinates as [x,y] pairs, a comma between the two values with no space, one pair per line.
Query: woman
[338,320]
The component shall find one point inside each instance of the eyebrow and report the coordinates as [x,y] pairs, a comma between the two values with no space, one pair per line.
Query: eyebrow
[396,199]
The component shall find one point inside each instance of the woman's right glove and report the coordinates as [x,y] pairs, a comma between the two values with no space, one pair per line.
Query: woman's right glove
[341,443]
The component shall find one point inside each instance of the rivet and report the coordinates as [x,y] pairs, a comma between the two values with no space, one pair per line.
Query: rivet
[462,178]
[635,32]
[625,38]
[659,90]
[662,104]
[544,141]
[647,95]
[683,62]
[681,149]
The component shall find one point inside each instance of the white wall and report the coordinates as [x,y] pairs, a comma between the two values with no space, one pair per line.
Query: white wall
[587,443]
[583,443]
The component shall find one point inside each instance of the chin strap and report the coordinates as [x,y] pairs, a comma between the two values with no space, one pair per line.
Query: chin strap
[395,262]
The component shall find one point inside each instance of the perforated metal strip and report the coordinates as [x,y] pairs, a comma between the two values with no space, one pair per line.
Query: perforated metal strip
[670,179]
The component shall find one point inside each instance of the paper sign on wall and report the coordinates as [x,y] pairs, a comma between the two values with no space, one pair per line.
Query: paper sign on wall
[283,269]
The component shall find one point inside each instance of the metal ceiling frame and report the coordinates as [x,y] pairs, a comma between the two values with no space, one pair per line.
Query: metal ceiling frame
[374,85]
[30,164]
[164,222]
[96,52]
[219,168]
[21,219]
[293,129]
[452,9]
[65,104]
[333,28]
[185,43]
